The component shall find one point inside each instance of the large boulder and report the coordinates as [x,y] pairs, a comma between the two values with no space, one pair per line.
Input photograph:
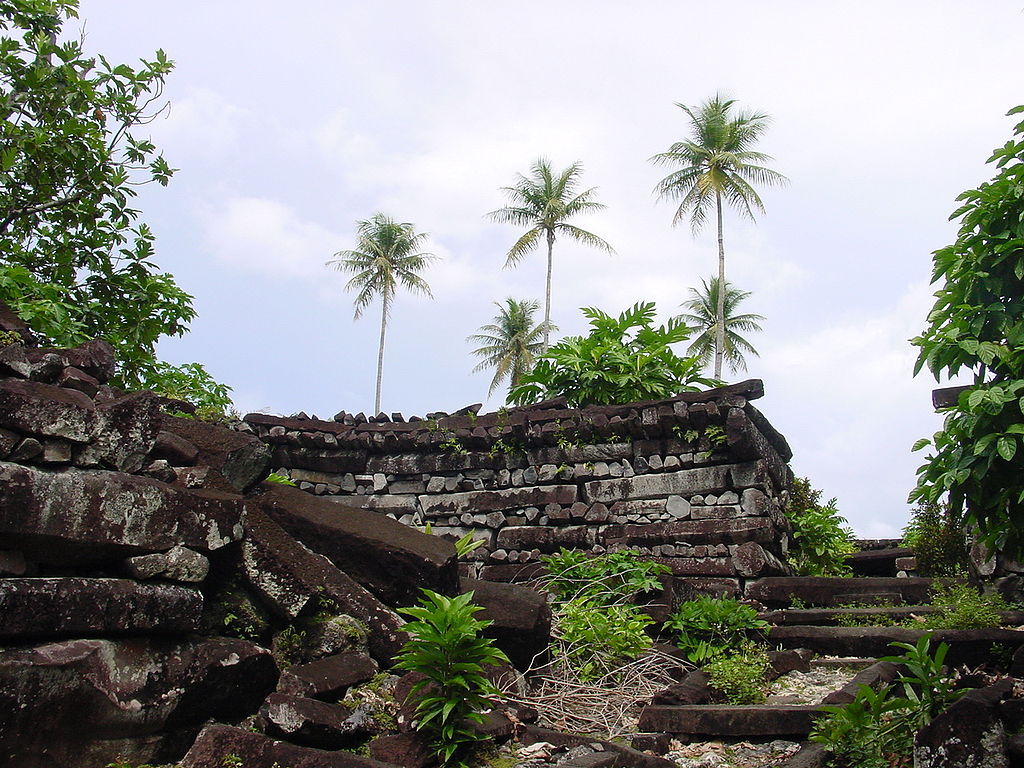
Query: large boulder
[967,735]
[84,703]
[311,723]
[81,516]
[74,607]
[239,459]
[43,410]
[289,578]
[391,560]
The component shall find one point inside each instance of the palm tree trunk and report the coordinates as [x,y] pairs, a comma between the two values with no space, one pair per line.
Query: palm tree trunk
[380,352]
[547,297]
[720,308]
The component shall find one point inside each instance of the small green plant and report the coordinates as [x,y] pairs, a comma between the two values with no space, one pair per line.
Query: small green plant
[821,538]
[276,477]
[608,578]
[710,628]
[876,729]
[597,640]
[288,646]
[687,435]
[231,761]
[11,337]
[715,435]
[445,646]
[452,445]
[742,675]
[467,544]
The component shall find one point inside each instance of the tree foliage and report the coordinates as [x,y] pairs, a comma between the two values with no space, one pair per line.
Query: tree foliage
[702,313]
[623,359]
[77,262]
[977,326]
[386,256]
[544,202]
[511,342]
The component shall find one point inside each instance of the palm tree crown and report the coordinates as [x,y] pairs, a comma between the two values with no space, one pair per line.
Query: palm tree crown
[716,164]
[703,313]
[386,256]
[544,201]
[511,342]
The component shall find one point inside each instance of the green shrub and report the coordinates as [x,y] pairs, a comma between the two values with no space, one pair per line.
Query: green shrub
[821,538]
[961,606]
[742,675]
[937,536]
[445,646]
[710,627]
[596,621]
[623,359]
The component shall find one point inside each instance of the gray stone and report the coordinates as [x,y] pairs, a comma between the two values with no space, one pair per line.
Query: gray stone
[47,411]
[716,513]
[683,483]
[435,484]
[497,500]
[177,564]
[655,462]
[546,539]
[671,462]
[677,507]
[754,502]
[380,483]
[727,498]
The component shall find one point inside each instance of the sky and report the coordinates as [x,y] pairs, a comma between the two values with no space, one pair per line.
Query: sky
[291,122]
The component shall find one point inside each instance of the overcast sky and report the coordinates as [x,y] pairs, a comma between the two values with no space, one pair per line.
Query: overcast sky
[290,122]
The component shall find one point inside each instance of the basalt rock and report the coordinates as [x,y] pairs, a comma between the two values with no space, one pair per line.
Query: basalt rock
[391,560]
[85,703]
[521,618]
[82,516]
[254,750]
[240,459]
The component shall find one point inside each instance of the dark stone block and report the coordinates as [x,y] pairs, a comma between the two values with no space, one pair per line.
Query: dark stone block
[967,735]
[391,560]
[709,720]
[409,750]
[76,607]
[521,618]
[175,449]
[255,750]
[824,590]
[45,410]
[241,459]
[311,723]
[328,677]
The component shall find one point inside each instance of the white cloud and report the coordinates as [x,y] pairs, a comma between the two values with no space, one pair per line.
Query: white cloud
[263,235]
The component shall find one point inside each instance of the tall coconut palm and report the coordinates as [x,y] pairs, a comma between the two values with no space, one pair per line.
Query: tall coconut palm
[386,256]
[703,315]
[715,165]
[511,342]
[544,201]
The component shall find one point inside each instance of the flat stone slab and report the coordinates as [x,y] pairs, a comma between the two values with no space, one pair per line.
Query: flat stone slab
[780,591]
[877,562]
[477,502]
[967,646]
[77,607]
[330,676]
[832,616]
[736,531]
[254,750]
[683,483]
[730,721]
[82,516]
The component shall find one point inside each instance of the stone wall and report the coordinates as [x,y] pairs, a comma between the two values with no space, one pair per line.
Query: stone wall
[696,481]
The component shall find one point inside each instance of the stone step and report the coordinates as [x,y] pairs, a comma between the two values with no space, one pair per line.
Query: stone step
[842,662]
[780,591]
[714,720]
[833,616]
[973,647]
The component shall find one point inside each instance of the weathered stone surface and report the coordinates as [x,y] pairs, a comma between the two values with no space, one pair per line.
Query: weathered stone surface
[85,703]
[876,675]
[751,559]
[328,677]
[125,431]
[876,562]
[683,483]
[824,590]
[45,410]
[176,564]
[13,563]
[255,750]
[627,757]
[409,749]
[395,504]
[73,378]
[757,529]
[55,517]
[498,500]
[692,689]
[174,448]
[391,560]
[967,735]
[41,608]
[310,723]
[243,460]
[972,647]
[698,566]
[546,539]
[521,618]
[689,587]
[886,615]
[730,721]
[288,576]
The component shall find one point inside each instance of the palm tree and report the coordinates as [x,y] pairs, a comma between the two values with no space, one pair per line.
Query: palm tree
[717,164]
[510,342]
[703,313]
[544,201]
[386,256]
